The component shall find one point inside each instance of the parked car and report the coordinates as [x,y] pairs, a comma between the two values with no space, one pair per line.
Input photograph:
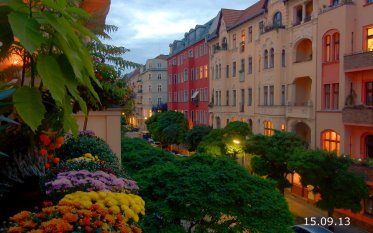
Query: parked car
[310,229]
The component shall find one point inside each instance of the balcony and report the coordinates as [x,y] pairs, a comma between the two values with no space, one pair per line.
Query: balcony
[358,115]
[358,61]
[332,7]
[302,68]
[269,28]
[271,110]
[302,111]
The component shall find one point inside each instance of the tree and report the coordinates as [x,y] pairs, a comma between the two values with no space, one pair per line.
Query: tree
[194,136]
[168,127]
[210,194]
[137,154]
[273,153]
[228,141]
[330,177]
[212,143]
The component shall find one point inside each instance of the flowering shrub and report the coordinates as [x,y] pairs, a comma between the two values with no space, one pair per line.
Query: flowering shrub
[48,143]
[75,215]
[86,157]
[67,182]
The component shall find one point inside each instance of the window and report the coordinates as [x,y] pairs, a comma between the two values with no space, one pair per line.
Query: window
[227,98]
[216,71]
[261,27]
[369,42]
[272,58]
[234,69]
[266,59]
[335,95]
[336,46]
[249,96]
[331,141]
[219,71]
[192,74]
[335,2]
[283,64]
[369,93]
[369,1]
[369,146]
[159,88]
[227,72]
[234,98]
[242,45]
[242,66]
[271,95]
[201,72]
[277,19]
[326,96]
[265,95]
[159,101]
[250,65]
[268,128]
[250,34]
[283,95]
[327,49]
[150,88]
[234,41]
[206,72]
[190,53]
[186,75]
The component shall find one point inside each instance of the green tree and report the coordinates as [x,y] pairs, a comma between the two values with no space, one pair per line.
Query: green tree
[194,136]
[137,155]
[168,127]
[210,194]
[212,143]
[330,177]
[273,153]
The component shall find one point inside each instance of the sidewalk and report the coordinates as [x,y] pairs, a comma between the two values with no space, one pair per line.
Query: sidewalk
[301,209]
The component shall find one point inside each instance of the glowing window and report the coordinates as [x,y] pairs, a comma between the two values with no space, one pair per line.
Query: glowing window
[268,128]
[331,141]
[370,39]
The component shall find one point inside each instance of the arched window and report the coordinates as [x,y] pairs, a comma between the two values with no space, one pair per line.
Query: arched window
[272,58]
[266,59]
[331,141]
[327,48]
[268,128]
[336,46]
[277,19]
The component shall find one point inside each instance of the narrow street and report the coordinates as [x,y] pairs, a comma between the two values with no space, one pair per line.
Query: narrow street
[301,208]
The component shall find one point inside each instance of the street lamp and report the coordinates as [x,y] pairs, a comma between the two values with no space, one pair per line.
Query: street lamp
[235,141]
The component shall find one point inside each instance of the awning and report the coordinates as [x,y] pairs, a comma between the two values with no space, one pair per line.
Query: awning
[195,94]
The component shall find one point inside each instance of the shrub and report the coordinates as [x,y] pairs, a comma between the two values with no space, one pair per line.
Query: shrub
[76,147]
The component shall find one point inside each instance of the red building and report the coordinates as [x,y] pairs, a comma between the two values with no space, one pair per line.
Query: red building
[188,72]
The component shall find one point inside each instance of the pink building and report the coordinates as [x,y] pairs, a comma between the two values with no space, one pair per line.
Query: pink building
[345,98]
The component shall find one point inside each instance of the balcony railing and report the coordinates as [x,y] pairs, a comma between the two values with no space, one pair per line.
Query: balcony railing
[358,115]
[358,61]
[300,111]
[333,6]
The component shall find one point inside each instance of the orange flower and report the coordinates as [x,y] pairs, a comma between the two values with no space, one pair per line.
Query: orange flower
[51,146]
[43,152]
[65,209]
[69,217]
[29,224]
[56,225]
[45,139]
[98,223]
[47,203]
[49,210]
[47,166]
[59,140]
[110,219]
[56,160]
[21,216]
[88,229]
[85,221]
[136,229]
[15,229]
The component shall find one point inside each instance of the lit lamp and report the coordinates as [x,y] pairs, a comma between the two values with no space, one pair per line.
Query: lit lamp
[235,141]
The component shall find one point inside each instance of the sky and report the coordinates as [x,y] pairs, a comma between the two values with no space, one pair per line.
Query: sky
[147,28]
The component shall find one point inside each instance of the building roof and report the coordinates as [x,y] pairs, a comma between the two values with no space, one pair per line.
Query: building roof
[234,18]
[162,57]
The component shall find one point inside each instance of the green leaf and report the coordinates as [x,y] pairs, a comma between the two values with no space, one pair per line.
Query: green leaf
[52,76]
[27,30]
[3,154]
[29,105]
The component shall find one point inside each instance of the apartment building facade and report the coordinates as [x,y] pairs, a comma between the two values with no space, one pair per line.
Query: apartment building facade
[150,85]
[188,72]
[263,69]
[344,113]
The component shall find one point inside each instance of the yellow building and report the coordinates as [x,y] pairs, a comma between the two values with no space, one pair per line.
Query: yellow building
[263,68]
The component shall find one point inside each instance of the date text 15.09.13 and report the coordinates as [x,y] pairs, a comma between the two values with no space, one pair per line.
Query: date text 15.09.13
[327,221]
